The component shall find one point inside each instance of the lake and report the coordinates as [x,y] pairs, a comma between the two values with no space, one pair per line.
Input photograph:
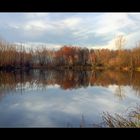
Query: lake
[43,98]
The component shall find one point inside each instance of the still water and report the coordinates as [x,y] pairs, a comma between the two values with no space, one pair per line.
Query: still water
[65,98]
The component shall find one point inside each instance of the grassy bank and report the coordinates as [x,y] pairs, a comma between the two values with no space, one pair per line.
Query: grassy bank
[129,120]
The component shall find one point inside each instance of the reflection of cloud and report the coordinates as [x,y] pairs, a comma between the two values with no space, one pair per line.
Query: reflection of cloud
[53,86]
[55,107]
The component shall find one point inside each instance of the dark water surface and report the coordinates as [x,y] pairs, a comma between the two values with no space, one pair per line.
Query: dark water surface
[65,98]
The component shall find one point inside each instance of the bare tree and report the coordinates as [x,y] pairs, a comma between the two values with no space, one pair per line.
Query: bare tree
[120,42]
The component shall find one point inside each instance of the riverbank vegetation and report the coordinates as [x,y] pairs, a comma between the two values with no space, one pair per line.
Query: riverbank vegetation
[129,120]
[69,57]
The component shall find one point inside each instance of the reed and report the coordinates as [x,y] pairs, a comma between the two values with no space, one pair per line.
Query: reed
[130,120]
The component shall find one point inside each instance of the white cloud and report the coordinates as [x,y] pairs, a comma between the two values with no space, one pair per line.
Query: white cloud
[112,22]
[71,22]
[109,45]
[91,29]
[36,15]
[33,25]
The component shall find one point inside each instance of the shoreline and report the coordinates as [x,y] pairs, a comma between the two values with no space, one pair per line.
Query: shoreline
[74,68]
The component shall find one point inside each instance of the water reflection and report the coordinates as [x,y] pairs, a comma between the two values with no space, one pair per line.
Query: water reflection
[59,98]
[68,80]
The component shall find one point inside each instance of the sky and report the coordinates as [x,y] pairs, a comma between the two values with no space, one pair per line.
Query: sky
[92,30]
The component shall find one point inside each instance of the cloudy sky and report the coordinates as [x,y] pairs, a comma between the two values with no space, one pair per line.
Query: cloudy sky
[93,30]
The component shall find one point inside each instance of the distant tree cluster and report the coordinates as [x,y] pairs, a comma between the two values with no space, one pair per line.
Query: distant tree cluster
[13,56]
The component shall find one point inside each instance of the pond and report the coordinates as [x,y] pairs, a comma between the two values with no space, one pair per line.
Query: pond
[43,98]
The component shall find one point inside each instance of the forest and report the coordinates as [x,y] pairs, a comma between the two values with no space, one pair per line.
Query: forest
[69,57]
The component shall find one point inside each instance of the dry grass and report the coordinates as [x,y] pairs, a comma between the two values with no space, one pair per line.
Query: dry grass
[130,120]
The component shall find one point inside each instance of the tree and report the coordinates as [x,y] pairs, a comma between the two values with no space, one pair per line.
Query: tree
[120,42]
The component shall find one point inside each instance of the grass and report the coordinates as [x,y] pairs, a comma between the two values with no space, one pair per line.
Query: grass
[130,120]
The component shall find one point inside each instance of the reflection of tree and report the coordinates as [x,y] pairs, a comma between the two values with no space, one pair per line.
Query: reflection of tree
[68,80]
[136,83]
[119,92]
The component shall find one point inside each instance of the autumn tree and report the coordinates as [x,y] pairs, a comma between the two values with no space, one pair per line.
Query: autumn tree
[136,56]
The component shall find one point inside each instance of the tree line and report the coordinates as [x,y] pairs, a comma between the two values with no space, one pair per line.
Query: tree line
[70,57]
